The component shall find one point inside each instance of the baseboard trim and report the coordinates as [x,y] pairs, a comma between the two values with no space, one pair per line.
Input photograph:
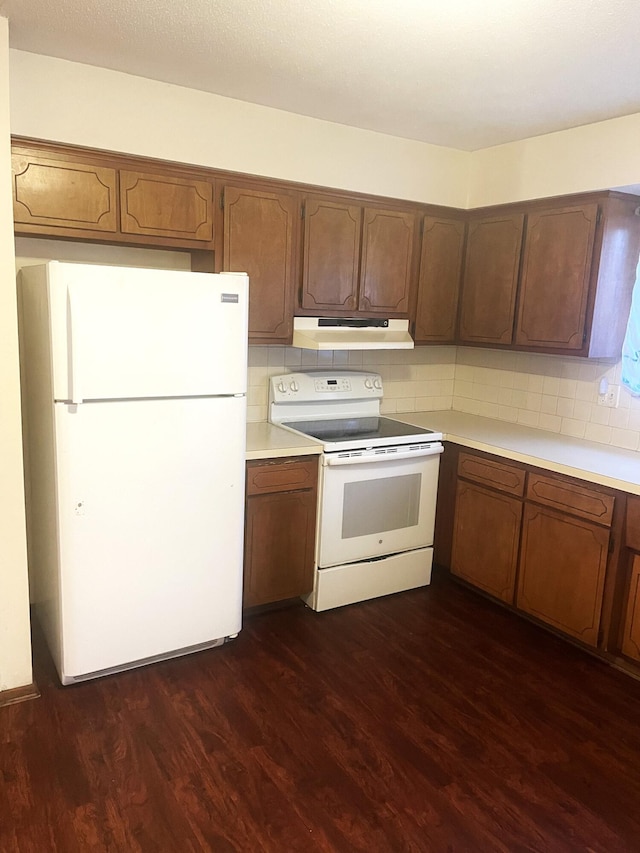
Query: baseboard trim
[19,694]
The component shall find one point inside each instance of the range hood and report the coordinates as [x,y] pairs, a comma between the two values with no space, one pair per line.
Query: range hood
[341,333]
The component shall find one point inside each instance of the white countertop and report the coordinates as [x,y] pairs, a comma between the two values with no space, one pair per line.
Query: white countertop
[267,441]
[587,460]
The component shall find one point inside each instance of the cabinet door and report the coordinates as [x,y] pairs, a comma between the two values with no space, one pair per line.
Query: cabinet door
[258,238]
[556,270]
[331,255]
[279,545]
[62,196]
[490,280]
[439,281]
[562,568]
[387,261]
[631,629]
[485,539]
[166,206]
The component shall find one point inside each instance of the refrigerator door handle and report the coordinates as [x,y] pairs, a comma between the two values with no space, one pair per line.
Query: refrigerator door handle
[73,344]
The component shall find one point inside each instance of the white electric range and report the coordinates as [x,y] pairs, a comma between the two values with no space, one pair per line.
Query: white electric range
[378,485]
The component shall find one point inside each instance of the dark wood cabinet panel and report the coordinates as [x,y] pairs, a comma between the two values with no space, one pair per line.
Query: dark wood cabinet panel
[632,523]
[279,529]
[486,535]
[562,569]
[163,205]
[356,259]
[617,247]
[439,280]
[289,475]
[490,281]
[331,255]
[259,238]
[556,270]
[492,472]
[387,261]
[57,197]
[631,625]
[566,495]
[279,545]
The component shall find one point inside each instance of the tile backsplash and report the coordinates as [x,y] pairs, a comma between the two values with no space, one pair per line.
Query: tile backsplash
[549,392]
[414,380]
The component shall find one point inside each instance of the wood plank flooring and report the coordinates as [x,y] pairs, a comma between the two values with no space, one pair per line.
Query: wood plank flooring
[428,721]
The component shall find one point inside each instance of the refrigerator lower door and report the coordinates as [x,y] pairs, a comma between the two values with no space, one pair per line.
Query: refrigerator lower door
[151,508]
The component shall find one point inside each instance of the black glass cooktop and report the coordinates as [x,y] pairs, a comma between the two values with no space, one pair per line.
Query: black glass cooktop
[347,429]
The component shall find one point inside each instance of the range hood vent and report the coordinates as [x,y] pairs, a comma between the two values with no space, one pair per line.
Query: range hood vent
[343,333]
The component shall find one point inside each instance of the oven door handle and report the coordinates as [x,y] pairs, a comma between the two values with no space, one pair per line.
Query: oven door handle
[431,450]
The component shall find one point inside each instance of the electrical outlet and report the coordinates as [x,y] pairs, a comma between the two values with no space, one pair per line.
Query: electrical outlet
[611,397]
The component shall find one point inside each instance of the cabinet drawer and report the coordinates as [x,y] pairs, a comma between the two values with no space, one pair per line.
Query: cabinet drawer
[282,475]
[491,472]
[571,497]
[632,534]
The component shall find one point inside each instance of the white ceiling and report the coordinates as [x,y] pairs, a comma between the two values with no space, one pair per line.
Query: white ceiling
[462,73]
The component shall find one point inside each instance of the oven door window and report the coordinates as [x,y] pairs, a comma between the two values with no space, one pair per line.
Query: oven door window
[376,508]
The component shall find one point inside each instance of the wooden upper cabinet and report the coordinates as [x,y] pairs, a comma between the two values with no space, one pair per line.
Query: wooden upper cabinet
[331,255]
[387,259]
[165,205]
[556,268]
[490,280]
[259,238]
[355,259]
[60,196]
[439,280]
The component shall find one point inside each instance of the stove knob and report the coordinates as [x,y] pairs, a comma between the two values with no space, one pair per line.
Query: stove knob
[377,383]
[294,386]
[281,387]
[368,383]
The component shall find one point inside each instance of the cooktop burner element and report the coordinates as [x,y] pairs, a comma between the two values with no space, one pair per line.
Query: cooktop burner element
[346,429]
[341,409]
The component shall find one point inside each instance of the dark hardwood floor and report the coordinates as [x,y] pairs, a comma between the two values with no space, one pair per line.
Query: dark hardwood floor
[427,721]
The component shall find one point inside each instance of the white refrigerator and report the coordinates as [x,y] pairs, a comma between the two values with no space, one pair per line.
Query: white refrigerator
[134,399]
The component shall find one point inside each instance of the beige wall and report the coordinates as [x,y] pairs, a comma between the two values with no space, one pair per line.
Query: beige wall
[15,644]
[79,104]
[597,156]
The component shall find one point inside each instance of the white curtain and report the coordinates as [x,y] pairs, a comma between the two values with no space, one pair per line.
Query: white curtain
[631,345]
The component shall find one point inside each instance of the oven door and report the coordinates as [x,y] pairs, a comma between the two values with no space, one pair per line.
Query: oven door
[376,503]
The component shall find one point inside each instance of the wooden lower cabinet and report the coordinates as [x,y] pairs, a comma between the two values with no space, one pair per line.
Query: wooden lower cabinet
[535,540]
[485,539]
[631,625]
[562,568]
[279,529]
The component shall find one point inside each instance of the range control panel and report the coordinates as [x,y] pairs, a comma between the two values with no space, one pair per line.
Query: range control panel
[325,385]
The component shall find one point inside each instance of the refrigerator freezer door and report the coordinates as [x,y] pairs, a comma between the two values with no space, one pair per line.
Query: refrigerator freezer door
[151,508]
[125,333]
